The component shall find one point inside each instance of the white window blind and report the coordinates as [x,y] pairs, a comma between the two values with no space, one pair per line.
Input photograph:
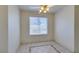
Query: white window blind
[38,25]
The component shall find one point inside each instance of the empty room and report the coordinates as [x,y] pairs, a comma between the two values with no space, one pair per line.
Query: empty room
[39,29]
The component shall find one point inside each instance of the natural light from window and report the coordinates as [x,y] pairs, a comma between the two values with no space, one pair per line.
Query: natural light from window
[38,25]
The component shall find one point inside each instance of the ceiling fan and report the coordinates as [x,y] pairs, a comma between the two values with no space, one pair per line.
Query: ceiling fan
[44,8]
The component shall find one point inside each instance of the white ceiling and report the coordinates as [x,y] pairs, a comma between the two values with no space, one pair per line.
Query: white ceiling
[53,8]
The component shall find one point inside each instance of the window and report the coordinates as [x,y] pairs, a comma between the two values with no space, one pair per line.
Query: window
[38,25]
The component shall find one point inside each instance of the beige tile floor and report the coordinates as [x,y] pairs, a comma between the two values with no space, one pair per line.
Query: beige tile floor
[42,47]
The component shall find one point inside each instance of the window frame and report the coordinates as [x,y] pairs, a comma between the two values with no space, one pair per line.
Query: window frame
[38,34]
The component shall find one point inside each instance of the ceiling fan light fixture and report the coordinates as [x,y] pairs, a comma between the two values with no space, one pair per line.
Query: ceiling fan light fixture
[40,11]
[47,9]
[44,11]
[44,8]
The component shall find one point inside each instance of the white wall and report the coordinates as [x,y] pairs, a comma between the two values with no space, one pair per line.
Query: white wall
[13,28]
[3,29]
[64,27]
[26,38]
